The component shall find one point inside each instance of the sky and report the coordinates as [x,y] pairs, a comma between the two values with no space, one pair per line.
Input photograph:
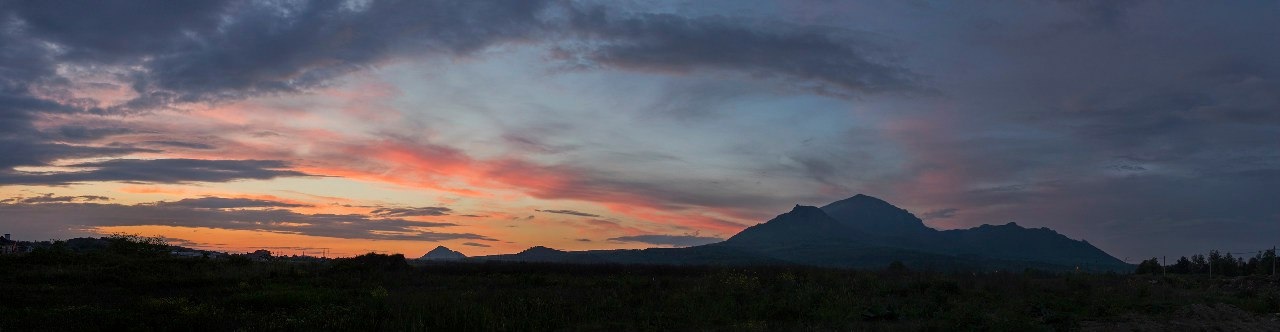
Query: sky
[1148,128]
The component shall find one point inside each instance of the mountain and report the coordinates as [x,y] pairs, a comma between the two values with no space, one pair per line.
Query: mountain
[803,224]
[1013,242]
[810,236]
[863,232]
[440,253]
[875,216]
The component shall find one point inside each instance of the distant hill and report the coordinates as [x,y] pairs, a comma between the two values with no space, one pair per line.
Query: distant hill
[862,232]
[441,253]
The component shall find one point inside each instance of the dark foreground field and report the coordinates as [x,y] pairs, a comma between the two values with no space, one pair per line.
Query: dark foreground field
[103,291]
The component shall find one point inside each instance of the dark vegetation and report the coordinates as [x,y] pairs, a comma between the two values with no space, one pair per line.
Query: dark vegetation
[1215,263]
[131,283]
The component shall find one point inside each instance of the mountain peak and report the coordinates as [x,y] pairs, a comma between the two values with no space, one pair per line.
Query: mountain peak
[801,225]
[862,200]
[875,216]
[442,253]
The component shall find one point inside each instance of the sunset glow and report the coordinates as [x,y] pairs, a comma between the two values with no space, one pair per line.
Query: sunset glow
[347,127]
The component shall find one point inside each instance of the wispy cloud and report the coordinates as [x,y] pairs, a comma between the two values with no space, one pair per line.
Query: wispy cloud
[221,213]
[569,212]
[412,211]
[50,198]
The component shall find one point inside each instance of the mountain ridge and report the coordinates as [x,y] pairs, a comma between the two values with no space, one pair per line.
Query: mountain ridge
[863,232]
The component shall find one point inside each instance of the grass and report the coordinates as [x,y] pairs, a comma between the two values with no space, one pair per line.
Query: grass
[377,292]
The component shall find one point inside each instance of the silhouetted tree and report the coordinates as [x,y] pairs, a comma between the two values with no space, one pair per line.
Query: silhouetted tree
[1182,266]
[1150,266]
[372,262]
[1265,261]
[136,245]
[1199,265]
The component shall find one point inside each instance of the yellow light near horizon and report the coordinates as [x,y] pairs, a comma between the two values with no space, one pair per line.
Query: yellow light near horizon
[239,241]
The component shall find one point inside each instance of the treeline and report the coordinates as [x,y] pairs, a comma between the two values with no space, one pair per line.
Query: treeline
[1215,263]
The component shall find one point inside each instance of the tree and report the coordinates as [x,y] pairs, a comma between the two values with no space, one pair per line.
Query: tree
[1266,261]
[1182,266]
[136,245]
[1150,266]
[1199,265]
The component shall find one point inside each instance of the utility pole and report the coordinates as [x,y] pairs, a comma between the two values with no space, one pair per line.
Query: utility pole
[1164,261]
[1273,261]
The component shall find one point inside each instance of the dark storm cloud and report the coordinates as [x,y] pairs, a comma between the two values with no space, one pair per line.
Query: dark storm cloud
[117,31]
[213,50]
[206,51]
[569,212]
[216,50]
[49,218]
[158,171]
[428,211]
[225,203]
[28,151]
[825,60]
[668,240]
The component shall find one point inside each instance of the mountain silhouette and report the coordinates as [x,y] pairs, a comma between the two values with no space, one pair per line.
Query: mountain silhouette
[1013,242]
[440,253]
[874,216]
[802,224]
[863,232]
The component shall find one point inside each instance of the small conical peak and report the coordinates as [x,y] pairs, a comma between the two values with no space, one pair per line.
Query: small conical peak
[441,252]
